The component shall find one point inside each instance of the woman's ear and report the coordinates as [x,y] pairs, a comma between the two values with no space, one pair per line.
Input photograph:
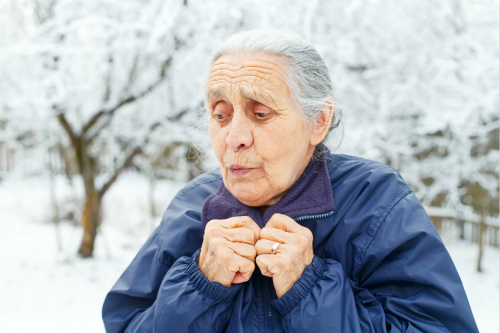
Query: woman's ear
[322,123]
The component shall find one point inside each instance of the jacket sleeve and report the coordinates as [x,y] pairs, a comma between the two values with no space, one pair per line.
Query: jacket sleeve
[405,282]
[185,301]
[163,289]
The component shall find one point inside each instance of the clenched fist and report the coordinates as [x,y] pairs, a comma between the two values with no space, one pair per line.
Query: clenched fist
[293,255]
[228,251]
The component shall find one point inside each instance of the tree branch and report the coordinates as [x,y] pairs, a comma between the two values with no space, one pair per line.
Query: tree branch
[108,112]
[128,161]
[125,165]
[67,127]
[111,111]
[132,74]
[179,115]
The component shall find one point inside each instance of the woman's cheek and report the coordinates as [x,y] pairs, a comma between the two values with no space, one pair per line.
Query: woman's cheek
[270,149]
[269,144]
[218,141]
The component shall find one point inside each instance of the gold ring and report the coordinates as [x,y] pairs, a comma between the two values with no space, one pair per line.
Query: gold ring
[275,247]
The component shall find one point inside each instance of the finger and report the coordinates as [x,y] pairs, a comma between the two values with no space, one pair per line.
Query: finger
[238,278]
[244,269]
[266,264]
[224,267]
[277,235]
[264,246]
[241,235]
[244,250]
[283,222]
[241,222]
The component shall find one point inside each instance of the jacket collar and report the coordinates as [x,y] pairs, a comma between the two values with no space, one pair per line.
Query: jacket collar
[311,195]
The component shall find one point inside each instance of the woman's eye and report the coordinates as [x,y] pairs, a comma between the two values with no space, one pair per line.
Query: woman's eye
[220,116]
[261,111]
[221,111]
[262,114]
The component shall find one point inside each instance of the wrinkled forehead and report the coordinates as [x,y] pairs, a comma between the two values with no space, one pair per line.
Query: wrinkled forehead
[253,77]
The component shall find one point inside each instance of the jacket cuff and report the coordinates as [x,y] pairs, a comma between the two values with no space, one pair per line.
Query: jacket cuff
[301,288]
[213,290]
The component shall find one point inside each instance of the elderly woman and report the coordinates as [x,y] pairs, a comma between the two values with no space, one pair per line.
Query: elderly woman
[286,236]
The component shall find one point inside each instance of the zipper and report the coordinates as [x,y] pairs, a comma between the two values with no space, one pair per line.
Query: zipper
[270,327]
[312,217]
[266,282]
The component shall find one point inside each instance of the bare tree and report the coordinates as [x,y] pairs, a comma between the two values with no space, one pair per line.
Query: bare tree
[81,142]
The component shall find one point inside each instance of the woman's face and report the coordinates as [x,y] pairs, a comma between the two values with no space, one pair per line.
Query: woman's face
[261,142]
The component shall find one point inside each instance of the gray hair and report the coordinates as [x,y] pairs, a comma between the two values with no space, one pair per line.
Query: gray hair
[307,76]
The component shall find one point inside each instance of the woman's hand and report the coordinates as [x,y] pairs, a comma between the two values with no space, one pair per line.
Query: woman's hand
[293,255]
[228,251]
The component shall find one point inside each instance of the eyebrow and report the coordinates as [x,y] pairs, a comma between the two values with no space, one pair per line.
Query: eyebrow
[246,95]
[214,93]
[259,97]
[218,92]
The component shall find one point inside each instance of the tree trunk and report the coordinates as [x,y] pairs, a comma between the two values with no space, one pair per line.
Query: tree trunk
[91,219]
[87,163]
[482,228]
[480,206]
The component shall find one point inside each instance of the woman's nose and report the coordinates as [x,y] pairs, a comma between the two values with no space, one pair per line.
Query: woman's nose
[240,134]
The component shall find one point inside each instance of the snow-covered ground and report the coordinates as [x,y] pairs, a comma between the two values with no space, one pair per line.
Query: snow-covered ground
[45,289]
[482,288]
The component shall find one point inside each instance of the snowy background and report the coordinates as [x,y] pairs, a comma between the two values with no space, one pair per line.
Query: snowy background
[45,289]
[99,99]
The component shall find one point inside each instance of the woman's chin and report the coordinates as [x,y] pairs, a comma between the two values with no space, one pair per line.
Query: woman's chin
[249,195]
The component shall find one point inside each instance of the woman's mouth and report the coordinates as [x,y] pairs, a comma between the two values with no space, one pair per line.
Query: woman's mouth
[238,170]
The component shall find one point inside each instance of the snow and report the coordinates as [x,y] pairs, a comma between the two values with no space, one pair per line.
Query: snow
[416,80]
[44,289]
[47,290]
[482,288]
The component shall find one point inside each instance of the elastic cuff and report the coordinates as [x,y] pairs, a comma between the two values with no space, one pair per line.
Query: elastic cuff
[301,288]
[213,290]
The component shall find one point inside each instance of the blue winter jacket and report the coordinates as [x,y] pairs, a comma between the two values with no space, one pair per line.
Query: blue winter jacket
[379,265]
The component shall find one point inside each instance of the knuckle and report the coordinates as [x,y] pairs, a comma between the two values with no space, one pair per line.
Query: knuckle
[248,236]
[245,262]
[244,220]
[247,267]
[302,241]
[309,235]
[211,223]
[307,238]
[260,261]
[273,266]
[265,232]
[282,217]
[252,251]
[210,231]
[259,247]
[279,220]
